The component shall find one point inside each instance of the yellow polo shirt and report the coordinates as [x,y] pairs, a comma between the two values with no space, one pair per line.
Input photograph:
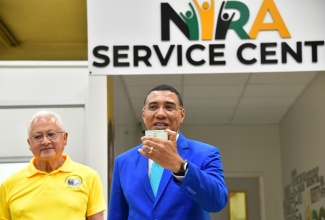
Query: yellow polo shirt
[71,192]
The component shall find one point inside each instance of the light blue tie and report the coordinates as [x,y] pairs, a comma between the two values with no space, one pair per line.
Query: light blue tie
[155,176]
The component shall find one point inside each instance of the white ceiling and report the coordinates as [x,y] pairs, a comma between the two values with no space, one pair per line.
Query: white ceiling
[243,98]
[57,30]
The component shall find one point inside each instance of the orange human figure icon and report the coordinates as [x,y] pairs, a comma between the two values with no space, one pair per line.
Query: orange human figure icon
[206,13]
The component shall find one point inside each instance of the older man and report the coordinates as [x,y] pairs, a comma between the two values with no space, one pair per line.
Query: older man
[52,186]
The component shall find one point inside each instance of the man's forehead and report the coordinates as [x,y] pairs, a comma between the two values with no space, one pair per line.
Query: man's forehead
[44,119]
[44,122]
[162,96]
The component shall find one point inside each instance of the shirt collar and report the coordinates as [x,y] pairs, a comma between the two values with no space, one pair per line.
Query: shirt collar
[67,167]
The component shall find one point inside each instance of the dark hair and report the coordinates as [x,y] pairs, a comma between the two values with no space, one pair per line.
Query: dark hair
[166,88]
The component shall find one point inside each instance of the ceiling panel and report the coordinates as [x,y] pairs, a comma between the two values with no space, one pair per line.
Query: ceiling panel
[266,102]
[275,90]
[242,98]
[211,102]
[147,80]
[215,79]
[217,91]
[282,78]
[271,112]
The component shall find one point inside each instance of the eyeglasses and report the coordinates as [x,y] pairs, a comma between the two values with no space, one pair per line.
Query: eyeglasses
[168,108]
[51,135]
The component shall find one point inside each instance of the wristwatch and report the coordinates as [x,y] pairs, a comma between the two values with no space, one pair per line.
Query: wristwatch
[183,169]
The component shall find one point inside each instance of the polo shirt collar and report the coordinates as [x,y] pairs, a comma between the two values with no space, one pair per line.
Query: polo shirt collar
[66,167]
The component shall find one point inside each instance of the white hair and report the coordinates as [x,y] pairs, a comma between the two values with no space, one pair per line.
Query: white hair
[46,113]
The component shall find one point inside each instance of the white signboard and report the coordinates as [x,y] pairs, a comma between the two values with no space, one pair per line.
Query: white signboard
[205,36]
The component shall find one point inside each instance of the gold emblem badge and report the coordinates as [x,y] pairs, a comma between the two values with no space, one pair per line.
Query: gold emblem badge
[73,181]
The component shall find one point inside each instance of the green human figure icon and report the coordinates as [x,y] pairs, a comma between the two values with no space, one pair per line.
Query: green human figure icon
[192,22]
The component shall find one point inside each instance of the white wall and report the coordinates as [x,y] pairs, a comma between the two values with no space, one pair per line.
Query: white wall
[303,129]
[127,129]
[26,89]
[303,139]
[96,129]
[247,150]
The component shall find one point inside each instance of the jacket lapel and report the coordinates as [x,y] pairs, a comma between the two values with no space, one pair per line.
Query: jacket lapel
[142,170]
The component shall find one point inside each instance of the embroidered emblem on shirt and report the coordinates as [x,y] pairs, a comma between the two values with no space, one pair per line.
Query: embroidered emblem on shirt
[73,181]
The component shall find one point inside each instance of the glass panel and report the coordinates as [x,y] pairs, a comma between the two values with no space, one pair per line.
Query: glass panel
[238,205]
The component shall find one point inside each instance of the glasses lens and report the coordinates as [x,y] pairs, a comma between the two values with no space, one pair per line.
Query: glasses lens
[38,137]
[170,108]
[51,135]
[166,108]
[153,108]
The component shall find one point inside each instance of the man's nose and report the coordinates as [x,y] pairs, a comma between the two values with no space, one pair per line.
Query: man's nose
[161,110]
[45,140]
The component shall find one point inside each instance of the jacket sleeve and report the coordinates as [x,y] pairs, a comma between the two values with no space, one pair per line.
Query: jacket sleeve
[118,207]
[204,181]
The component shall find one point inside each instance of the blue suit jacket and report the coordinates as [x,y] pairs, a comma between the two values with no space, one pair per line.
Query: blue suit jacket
[203,189]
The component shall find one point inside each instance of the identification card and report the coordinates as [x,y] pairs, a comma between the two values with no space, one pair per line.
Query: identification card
[162,134]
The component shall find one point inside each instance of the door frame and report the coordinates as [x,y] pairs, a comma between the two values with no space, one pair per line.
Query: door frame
[260,177]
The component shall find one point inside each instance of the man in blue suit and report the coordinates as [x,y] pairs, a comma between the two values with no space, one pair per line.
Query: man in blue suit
[192,180]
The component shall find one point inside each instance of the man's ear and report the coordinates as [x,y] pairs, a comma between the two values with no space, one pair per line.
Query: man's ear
[182,115]
[28,141]
[143,112]
[65,136]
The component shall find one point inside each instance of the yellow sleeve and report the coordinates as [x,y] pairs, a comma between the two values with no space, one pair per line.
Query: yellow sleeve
[4,209]
[96,201]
